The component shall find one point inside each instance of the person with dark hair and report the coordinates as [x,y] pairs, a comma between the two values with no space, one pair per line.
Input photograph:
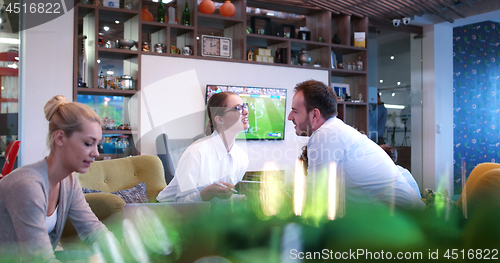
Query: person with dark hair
[211,166]
[369,174]
[303,158]
[37,199]
[377,119]
[393,153]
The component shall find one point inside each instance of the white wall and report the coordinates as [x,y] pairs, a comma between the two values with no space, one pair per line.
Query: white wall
[46,69]
[190,77]
[416,110]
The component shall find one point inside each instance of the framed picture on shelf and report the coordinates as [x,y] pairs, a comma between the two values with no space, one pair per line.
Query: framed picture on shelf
[215,46]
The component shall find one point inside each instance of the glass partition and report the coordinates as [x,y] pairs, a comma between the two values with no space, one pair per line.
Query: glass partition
[395,94]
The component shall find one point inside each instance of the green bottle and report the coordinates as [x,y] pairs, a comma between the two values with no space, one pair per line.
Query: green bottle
[161,12]
[186,16]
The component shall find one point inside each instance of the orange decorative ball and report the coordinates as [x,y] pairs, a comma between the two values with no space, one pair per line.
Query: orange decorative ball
[227,9]
[207,7]
[146,15]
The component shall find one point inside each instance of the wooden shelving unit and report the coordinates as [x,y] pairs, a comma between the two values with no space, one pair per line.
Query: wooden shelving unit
[321,23]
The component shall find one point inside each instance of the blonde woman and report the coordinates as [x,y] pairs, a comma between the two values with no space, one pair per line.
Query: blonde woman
[37,199]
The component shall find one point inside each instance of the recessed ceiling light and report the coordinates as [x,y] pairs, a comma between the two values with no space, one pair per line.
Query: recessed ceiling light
[393,94]
[394,106]
[117,21]
[8,40]
[381,81]
[392,57]
[380,93]
[399,83]
[270,14]
[98,61]
[106,28]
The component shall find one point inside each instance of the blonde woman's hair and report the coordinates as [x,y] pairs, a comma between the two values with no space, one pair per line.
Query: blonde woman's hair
[66,116]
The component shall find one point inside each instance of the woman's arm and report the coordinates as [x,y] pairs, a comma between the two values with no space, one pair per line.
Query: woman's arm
[88,226]
[25,202]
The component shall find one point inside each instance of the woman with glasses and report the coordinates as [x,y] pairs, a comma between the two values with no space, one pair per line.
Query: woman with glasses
[210,167]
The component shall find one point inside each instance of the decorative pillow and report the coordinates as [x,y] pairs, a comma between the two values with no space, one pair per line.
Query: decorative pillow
[136,194]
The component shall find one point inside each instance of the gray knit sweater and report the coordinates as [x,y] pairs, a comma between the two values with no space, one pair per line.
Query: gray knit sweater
[24,195]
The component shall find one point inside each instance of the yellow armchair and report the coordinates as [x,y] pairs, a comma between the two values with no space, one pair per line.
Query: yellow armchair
[124,173]
[115,175]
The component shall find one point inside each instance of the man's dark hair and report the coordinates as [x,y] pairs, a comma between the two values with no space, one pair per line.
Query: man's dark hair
[320,96]
[391,151]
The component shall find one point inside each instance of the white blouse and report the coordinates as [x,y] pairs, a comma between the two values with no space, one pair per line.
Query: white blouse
[51,221]
[204,162]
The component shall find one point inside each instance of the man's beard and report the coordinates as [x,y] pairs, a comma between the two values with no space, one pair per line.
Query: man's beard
[305,128]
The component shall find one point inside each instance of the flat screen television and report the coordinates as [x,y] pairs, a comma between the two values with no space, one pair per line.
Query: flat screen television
[266,110]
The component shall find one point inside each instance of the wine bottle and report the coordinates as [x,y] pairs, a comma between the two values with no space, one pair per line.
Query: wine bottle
[161,12]
[186,16]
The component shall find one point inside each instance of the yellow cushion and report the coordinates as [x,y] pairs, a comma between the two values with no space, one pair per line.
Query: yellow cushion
[124,173]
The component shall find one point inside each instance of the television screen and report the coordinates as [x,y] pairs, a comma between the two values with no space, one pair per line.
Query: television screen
[266,110]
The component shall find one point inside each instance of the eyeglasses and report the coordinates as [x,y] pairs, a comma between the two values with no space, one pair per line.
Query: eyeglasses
[239,108]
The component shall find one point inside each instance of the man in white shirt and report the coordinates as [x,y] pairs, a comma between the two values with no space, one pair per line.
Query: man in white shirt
[369,173]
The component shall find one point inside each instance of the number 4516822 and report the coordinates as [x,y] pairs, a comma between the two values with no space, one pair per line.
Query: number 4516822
[34,8]
[471,254]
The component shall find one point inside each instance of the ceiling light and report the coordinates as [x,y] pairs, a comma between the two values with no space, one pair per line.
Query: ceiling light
[399,83]
[12,65]
[7,40]
[381,81]
[392,57]
[393,94]
[197,38]
[394,106]
[101,34]
[270,14]
[110,72]
[117,21]
[2,87]
[106,28]
[98,61]
[16,58]
[380,93]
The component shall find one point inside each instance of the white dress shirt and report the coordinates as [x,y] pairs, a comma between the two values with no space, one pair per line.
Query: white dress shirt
[204,162]
[410,179]
[369,173]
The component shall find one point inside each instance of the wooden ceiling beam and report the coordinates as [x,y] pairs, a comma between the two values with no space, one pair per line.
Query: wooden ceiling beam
[390,6]
[417,11]
[359,8]
[466,2]
[324,6]
[452,8]
[386,10]
[360,12]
